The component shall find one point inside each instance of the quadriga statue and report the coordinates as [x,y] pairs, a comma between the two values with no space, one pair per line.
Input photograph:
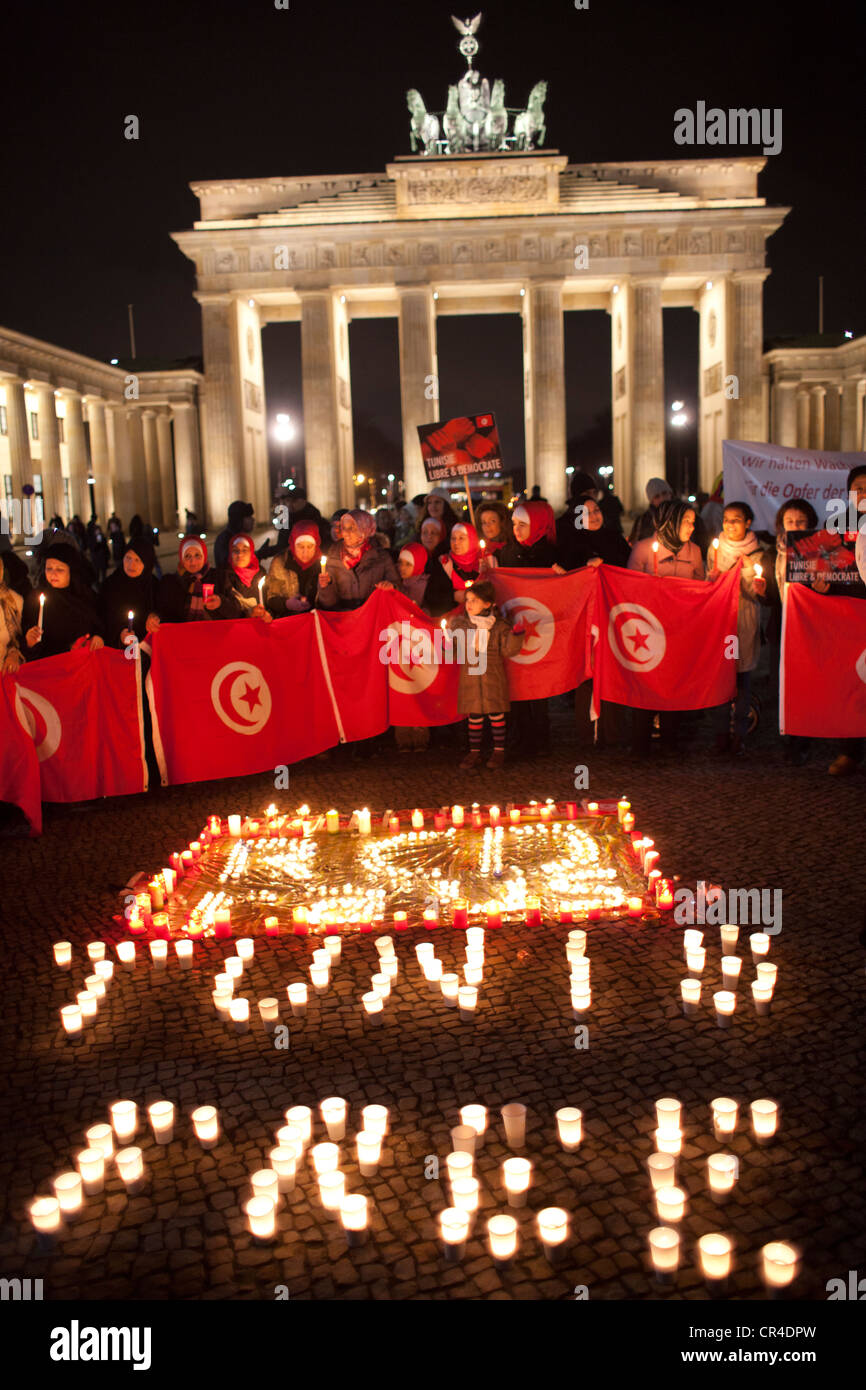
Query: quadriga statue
[529,127]
[424,126]
[496,124]
[453,124]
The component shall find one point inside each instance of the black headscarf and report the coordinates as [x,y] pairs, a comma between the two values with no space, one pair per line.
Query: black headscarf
[671,519]
[69,613]
[120,593]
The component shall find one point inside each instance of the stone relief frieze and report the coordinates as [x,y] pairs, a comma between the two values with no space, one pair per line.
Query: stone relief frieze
[252,396]
[699,243]
[667,244]
[394,254]
[494,250]
[530,248]
[428,253]
[597,248]
[633,244]
[503,189]
[619,384]
[326,256]
[462,251]
[226,262]
[735,242]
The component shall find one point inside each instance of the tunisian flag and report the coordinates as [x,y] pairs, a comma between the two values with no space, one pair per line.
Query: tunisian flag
[422,681]
[19,765]
[83,713]
[356,679]
[553,610]
[662,643]
[822,691]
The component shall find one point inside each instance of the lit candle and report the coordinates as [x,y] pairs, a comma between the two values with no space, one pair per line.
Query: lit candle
[691,993]
[417,819]
[130,1166]
[476,1117]
[372,1006]
[724,1003]
[581,1000]
[368,1147]
[759,942]
[696,959]
[731,971]
[234,823]
[332,1189]
[265,1183]
[493,914]
[319,977]
[161,1116]
[766,972]
[779,1264]
[365,823]
[669,1143]
[460,914]
[458,816]
[715,1256]
[759,570]
[245,948]
[664,1243]
[332,818]
[655,557]
[635,909]
[533,912]
[514,815]
[475,939]
[374,1119]
[87,1003]
[333,1112]
[46,1218]
[425,951]
[762,995]
[459,1165]
[516,1176]
[101,1137]
[668,1114]
[261,1217]
[353,1216]
[222,920]
[439,820]
[463,1139]
[71,1018]
[159,953]
[184,951]
[622,807]
[670,1203]
[514,1119]
[565,913]
[465,1196]
[729,936]
[714,554]
[765,1118]
[453,1229]
[205,1122]
[433,970]
[302,1117]
[284,1162]
[41,613]
[269,1013]
[96,950]
[63,954]
[126,954]
[96,985]
[569,1124]
[449,985]
[592,808]
[493,814]
[628,822]
[502,1237]
[67,1190]
[222,1002]
[467,1000]
[124,1119]
[390,969]
[722,1172]
[239,1012]
[91,1165]
[662,1170]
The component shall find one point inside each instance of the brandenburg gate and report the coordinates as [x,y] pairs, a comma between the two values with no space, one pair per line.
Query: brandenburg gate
[496,227]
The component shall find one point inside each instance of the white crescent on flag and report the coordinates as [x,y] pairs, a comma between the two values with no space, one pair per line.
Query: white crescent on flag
[860,666]
[410,679]
[539,624]
[637,638]
[41,720]
[241,697]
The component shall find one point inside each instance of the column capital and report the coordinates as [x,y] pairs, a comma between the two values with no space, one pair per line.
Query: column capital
[748,277]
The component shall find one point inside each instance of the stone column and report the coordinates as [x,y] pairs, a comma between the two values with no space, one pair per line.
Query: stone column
[647,386]
[544,361]
[76,447]
[327,404]
[833,417]
[785,413]
[222,392]
[135,429]
[120,453]
[419,379]
[746,414]
[49,450]
[99,461]
[802,417]
[19,435]
[187,462]
[851,429]
[168,499]
[816,418]
[151,467]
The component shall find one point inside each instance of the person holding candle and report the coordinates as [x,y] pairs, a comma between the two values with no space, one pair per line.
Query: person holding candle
[293,575]
[589,541]
[11,608]
[795,515]
[181,596]
[439,594]
[850,751]
[356,564]
[131,589]
[494,519]
[482,688]
[739,543]
[463,563]
[71,616]
[533,547]
[240,587]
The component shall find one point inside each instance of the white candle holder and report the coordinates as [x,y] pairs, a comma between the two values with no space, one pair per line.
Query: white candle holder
[569,1124]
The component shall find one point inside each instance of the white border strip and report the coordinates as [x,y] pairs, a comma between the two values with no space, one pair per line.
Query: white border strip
[327,674]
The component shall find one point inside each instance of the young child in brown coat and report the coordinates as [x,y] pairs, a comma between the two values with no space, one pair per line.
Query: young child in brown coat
[483,681]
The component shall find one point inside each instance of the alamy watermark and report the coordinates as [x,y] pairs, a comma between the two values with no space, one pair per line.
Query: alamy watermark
[738,907]
[22,518]
[736,126]
[418,647]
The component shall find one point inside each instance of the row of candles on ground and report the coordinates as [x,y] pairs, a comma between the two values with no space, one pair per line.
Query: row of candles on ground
[780,1261]
[75,1016]
[725,999]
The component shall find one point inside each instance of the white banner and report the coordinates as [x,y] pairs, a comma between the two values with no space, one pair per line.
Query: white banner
[766,475]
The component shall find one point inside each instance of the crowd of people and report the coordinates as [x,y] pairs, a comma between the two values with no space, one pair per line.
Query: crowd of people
[438,559]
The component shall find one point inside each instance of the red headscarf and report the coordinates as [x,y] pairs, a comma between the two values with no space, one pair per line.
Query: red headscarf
[245,573]
[189,541]
[416,553]
[305,530]
[469,560]
[540,518]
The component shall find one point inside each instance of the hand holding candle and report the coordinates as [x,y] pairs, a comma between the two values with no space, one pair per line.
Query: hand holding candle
[655,557]
[41,612]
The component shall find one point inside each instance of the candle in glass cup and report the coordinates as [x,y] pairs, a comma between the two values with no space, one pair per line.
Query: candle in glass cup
[91,1165]
[714,1251]
[691,939]
[245,948]
[664,1243]
[516,1177]
[269,1013]
[298,999]
[184,951]
[762,995]
[502,1237]
[205,1122]
[46,1217]
[622,809]
[662,1168]
[126,954]
[779,1264]
[72,1019]
[87,1003]
[433,970]
[759,942]
[332,1188]
[417,819]
[493,815]
[766,971]
[372,1003]
[467,1002]
[696,959]
[124,1119]
[130,1166]
[460,914]
[284,1162]
[333,1112]
[765,1119]
[724,1112]
[368,1147]
[493,914]
[722,1172]
[731,971]
[569,1123]
[453,1230]
[101,1137]
[691,993]
[670,1204]
[628,822]
[668,1114]
[724,1003]
[635,909]
[449,985]
[161,1116]
[533,912]
[261,1217]
[239,1013]
[68,1191]
[353,1216]
[729,934]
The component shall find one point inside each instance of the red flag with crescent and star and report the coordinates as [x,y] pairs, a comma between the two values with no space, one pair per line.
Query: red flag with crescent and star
[822,686]
[19,765]
[422,665]
[552,609]
[664,644]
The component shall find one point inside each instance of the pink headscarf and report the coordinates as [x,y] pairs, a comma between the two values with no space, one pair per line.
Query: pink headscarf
[366,524]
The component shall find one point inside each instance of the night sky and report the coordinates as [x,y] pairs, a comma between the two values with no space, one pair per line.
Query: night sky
[244,90]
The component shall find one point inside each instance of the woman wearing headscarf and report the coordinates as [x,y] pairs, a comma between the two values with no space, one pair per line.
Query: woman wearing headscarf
[70,616]
[293,576]
[11,607]
[462,564]
[411,567]
[131,588]
[793,515]
[589,541]
[356,565]
[533,545]
[677,556]
[439,594]
[494,519]
[239,587]
[739,542]
[658,491]
[438,505]
[850,751]
[181,596]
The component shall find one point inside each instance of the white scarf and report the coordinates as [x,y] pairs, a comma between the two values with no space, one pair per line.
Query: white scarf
[483,622]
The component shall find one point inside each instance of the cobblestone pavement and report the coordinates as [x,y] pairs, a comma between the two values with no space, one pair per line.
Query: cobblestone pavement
[757,823]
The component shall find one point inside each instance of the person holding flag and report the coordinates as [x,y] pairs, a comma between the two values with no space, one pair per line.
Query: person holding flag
[67,616]
[411,567]
[239,587]
[131,588]
[356,564]
[463,563]
[181,596]
[533,545]
[482,690]
[738,542]
[293,574]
